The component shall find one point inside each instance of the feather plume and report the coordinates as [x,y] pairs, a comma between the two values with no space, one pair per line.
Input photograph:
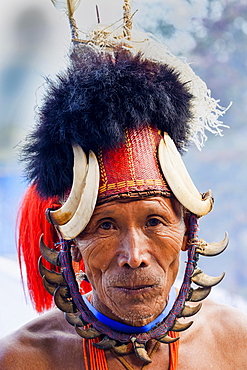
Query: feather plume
[69,6]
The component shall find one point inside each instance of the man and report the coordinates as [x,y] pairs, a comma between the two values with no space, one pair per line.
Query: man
[105,167]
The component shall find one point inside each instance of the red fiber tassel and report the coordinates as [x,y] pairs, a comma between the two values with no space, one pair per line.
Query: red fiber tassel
[32,224]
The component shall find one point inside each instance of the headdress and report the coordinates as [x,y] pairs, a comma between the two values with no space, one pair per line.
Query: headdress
[111,126]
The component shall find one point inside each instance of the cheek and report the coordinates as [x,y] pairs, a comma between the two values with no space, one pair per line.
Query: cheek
[168,246]
[97,254]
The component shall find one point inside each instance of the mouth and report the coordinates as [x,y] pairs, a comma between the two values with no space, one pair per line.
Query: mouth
[134,289]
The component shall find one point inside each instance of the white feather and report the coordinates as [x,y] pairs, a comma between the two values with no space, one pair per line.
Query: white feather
[69,6]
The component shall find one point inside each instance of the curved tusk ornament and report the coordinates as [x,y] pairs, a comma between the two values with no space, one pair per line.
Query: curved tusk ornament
[177,162]
[85,209]
[212,249]
[51,255]
[201,279]
[62,215]
[179,180]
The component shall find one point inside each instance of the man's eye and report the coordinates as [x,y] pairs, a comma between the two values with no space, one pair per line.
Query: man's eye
[106,225]
[153,222]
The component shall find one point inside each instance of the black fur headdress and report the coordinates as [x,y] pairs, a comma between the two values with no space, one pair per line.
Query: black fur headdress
[92,103]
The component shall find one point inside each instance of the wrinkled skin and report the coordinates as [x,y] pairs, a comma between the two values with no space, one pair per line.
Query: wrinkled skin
[131,255]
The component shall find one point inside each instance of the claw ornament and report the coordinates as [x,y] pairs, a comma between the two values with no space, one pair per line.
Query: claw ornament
[212,249]
[89,333]
[188,311]
[51,255]
[123,349]
[167,339]
[106,343]
[75,320]
[201,279]
[52,277]
[178,326]
[140,350]
[63,300]
[198,294]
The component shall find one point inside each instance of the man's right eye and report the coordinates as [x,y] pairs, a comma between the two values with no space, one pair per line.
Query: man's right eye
[106,225]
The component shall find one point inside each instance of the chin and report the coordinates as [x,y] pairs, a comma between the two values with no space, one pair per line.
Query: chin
[135,318]
[137,315]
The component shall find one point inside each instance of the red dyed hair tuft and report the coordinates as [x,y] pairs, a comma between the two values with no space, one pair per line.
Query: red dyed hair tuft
[32,224]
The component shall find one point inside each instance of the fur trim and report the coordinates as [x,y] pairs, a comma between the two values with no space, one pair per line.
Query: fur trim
[93,102]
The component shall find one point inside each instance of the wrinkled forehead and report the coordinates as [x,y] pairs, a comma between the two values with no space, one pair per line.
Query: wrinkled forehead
[142,204]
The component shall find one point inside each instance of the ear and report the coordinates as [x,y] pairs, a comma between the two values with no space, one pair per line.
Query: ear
[185,241]
[76,254]
[186,234]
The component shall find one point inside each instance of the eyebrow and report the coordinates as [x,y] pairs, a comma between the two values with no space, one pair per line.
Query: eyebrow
[150,206]
[103,213]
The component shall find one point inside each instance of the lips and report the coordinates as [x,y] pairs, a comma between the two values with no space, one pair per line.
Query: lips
[134,289]
[134,283]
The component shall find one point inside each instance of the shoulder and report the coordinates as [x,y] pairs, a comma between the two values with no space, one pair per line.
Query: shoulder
[219,333]
[228,326]
[225,319]
[41,344]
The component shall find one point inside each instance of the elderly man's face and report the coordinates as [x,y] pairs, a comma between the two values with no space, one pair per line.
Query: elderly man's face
[131,255]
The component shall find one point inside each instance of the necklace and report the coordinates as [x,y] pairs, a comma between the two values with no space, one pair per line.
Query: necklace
[95,358]
[123,328]
[128,366]
[63,295]
[68,298]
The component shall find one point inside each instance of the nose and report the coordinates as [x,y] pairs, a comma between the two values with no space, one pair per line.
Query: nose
[134,250]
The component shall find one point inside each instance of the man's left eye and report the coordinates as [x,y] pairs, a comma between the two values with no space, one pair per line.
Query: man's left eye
[153,222]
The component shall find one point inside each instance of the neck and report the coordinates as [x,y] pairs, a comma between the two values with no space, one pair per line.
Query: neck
[123,328]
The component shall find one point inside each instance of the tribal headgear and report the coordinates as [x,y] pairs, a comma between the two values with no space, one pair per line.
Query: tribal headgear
[112,126]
